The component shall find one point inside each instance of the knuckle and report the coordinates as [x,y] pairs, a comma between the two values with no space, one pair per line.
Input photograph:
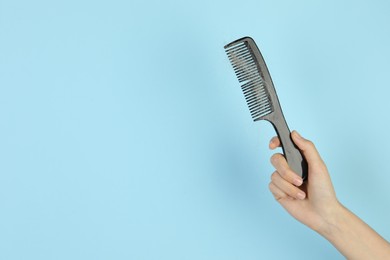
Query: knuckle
[310,144]
[276,158]
[283,173]
[274,176]
[273,158]
[288,174]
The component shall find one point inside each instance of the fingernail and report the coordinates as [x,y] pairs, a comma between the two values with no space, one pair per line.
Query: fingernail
[298,181]
[301,195]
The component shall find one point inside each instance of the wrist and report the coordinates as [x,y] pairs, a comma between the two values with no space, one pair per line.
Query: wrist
[352,237]
[333,221]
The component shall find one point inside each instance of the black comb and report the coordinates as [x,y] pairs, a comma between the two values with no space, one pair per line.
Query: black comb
[260,95]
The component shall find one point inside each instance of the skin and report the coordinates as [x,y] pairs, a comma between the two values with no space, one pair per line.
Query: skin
[314,203]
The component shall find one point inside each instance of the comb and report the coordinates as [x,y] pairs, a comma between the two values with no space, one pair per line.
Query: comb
[261,97]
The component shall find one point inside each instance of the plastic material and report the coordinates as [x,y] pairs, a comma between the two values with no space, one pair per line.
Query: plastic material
[260,93]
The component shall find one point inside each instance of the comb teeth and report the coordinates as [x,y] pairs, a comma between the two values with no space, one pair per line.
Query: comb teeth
[245,66]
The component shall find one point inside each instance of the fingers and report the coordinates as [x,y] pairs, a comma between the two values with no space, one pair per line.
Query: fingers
[278,193]
[286,187]
[308,149]
[274,143]
[281,166]
[286,180]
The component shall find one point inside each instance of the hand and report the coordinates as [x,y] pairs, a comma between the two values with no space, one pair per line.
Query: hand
[314,202]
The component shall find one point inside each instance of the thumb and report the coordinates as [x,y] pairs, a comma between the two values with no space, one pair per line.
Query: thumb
[308,149]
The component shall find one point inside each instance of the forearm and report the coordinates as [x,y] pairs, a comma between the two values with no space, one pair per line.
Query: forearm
[354,238]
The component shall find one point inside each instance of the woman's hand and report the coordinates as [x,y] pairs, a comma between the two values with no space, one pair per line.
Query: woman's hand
[314,202]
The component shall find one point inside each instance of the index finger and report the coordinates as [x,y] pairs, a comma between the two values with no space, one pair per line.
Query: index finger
[274,143]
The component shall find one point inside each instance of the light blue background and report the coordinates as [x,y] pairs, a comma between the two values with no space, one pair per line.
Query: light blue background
[124,133]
